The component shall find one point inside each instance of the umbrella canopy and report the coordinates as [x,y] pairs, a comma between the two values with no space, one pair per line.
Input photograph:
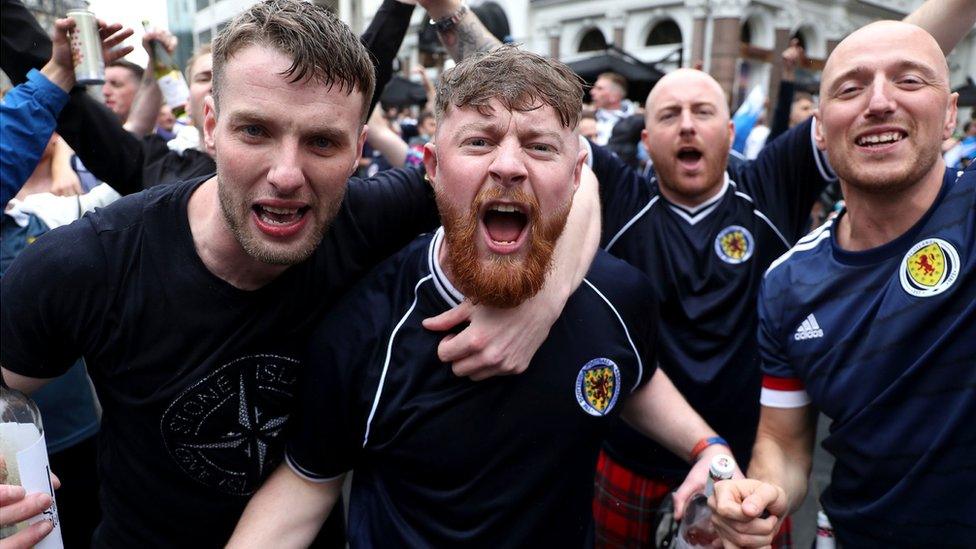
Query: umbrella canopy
[967,93]
[401,92]
[641,77]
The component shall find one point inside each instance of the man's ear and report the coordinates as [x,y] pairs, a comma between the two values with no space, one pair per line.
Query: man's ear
[731,133]
[818,135]
[951,112]
[209,122]
[430,161]
[578,168]
[359,150]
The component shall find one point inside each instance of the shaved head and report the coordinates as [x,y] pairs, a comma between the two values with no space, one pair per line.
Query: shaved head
[885,108]
[883,36]
[676,81]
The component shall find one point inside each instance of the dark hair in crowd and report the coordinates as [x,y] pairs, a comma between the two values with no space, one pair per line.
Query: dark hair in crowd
[801,95]
[136,70]
[617,79]
[520,80]
[321,46]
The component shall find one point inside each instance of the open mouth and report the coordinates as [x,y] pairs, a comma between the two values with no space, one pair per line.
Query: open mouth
[505,226]
[877,140]
[689,157]
[279,221]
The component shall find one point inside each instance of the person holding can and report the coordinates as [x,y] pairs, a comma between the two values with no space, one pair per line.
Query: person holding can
[30,110]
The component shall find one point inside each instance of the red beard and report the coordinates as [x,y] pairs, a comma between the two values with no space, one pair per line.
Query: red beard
[502,281]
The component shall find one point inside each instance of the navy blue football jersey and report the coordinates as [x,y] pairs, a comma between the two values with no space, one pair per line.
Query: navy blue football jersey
[883,342]
[442,461]
[706,265]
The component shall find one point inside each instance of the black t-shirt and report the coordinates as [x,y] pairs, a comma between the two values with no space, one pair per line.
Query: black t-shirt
[442,461]
[196,377]
[706,265]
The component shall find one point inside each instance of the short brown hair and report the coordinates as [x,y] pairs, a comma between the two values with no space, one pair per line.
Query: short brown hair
[321,46]
[617,79]
[204,49]
[520,80]
[134,70]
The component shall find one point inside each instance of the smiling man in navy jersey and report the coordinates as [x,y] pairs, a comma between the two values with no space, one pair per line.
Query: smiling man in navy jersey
[440,461]
[870,317]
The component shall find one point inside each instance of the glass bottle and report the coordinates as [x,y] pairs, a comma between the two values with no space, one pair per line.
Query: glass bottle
[696,530]
[23,459]
[169,78]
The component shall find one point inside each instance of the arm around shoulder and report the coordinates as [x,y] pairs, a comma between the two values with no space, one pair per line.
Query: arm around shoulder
[287,511]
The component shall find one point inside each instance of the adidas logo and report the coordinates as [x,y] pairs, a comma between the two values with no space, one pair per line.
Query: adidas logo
[809,329]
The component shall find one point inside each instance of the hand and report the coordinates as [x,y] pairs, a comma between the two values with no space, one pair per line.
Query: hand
[739,512]
[439,8]
[16,506]
[60,69]
[67,184]
[793,56]
[163,36]
[694,483]
[497,342]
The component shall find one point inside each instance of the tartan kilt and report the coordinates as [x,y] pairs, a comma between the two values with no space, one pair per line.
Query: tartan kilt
[626,508]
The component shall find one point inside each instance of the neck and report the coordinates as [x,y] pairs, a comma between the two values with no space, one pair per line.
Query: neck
[694,201]
[874,219]
[445,265]
[217,246]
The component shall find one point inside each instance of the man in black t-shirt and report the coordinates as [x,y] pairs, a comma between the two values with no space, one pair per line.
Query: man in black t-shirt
[190,302]
[440,461]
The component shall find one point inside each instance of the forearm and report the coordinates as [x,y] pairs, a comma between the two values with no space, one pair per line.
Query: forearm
[467,37]
[578,244]
[112,154]
[781,114]
[785,459]
[26,124]
[661,413]
[386,141]
[145,105]
[946,20]
[383,38]
[286,512]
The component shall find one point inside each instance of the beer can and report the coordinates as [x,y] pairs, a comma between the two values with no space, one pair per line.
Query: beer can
[86,48]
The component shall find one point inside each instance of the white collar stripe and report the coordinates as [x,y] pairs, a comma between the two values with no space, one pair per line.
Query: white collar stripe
[389,352]
[640,363]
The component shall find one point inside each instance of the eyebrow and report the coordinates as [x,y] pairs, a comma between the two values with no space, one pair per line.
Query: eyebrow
[253,117]
[862,71]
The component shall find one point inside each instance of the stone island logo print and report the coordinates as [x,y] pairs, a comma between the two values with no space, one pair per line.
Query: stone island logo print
[598,386]
[734,244]
[225,430]
[929,268]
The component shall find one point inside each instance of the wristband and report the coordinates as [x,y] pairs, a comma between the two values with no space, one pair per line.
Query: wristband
[447,23]
[705,443]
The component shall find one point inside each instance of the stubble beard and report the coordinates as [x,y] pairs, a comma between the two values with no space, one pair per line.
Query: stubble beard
[237,216]
[868,181]
[500,281]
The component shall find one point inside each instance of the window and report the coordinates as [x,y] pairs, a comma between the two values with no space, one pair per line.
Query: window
[665,32]
[593,40]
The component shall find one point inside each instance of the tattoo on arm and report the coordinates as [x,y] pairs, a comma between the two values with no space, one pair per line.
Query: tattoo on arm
[467,37]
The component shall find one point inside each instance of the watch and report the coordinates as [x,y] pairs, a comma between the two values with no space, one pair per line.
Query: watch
[447,23]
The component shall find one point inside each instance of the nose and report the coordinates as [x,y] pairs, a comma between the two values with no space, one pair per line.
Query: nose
[508,166]
[880,101]
[286,173]
[687,123]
